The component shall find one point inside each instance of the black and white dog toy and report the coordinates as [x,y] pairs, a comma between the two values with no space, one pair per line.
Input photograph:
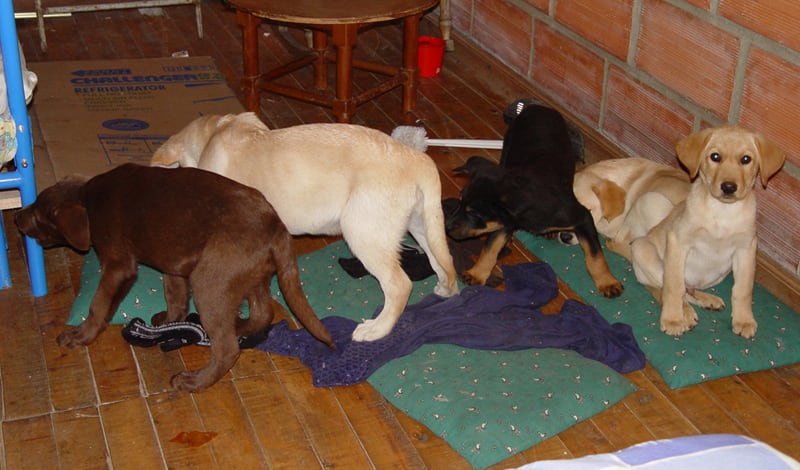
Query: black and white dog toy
[178,334]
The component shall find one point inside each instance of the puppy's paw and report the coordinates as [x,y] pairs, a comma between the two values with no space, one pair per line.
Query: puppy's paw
[676,325]
[745,328]
[706,300]
[158,319]
[165,317]
[445,291]
[611,290]
[76,337]
[187,382]
[472,278]
[689,315]
[371,330]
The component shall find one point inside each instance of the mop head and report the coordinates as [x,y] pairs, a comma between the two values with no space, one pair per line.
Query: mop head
[417,137]
[412,136]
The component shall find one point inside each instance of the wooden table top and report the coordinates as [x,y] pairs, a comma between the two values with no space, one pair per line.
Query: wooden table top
[328,12]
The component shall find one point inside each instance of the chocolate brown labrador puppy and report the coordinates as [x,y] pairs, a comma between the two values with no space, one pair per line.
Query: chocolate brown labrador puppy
[203,231]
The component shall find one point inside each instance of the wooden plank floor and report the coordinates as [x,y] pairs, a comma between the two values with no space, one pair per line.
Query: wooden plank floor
[110,405]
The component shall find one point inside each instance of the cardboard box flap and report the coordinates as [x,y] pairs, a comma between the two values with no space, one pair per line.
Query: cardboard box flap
[95,115]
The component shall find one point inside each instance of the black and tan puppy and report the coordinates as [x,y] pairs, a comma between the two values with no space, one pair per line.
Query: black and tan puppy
[531,190]
[203,231]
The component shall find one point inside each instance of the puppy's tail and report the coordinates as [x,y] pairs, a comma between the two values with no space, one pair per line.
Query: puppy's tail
[289,282]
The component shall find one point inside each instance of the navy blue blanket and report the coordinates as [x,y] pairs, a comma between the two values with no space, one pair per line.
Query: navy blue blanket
[479,317]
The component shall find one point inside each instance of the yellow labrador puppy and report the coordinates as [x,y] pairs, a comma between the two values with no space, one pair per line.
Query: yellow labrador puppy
[712,232]
[629,196]
[331,179]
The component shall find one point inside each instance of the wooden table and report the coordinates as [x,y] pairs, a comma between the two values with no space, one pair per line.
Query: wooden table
[342,21]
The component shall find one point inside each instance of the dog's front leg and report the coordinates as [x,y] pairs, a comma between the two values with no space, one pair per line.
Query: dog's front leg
[482,269]
[744,269]
[114,285]
[677,316]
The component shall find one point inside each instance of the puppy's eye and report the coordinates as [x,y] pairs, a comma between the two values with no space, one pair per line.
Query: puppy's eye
[715,157]
[746,159]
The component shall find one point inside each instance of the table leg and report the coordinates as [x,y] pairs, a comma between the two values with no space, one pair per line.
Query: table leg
[445,24]
[319,44]
[249,24]
[410,39]
[344,39]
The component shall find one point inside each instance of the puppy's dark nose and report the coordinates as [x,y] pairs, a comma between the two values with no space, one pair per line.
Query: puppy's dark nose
[728,188]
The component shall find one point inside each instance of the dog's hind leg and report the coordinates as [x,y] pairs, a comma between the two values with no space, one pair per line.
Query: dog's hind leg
[378,250]
[260,308]
[428,231]
[705,300]
[596,263]
[218,294]
[396,288]
[217,304]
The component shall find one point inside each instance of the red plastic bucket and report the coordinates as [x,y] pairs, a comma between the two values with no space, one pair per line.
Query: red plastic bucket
[430,55]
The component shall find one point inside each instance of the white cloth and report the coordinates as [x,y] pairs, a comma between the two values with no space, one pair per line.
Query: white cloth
[8,141]
[703,452]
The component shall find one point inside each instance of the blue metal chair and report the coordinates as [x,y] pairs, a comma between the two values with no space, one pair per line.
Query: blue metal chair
[22,178]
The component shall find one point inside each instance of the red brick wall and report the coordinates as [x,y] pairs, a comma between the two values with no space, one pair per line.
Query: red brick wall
[645,73]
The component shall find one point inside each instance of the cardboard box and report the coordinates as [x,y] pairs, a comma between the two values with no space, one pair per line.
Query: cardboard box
[95,115]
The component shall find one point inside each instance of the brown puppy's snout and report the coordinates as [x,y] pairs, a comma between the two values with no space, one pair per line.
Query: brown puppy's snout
[728,188]
[17,218]
[24,221]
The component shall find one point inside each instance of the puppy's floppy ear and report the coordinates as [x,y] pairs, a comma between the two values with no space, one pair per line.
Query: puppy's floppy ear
[771,158]
[171,165]
[168,155]
[690,150]
[611,197]
[74,179]
[72,221]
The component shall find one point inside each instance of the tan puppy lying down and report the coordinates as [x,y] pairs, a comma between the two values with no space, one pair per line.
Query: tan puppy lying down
[331,179]
[629,196]
[708,233]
